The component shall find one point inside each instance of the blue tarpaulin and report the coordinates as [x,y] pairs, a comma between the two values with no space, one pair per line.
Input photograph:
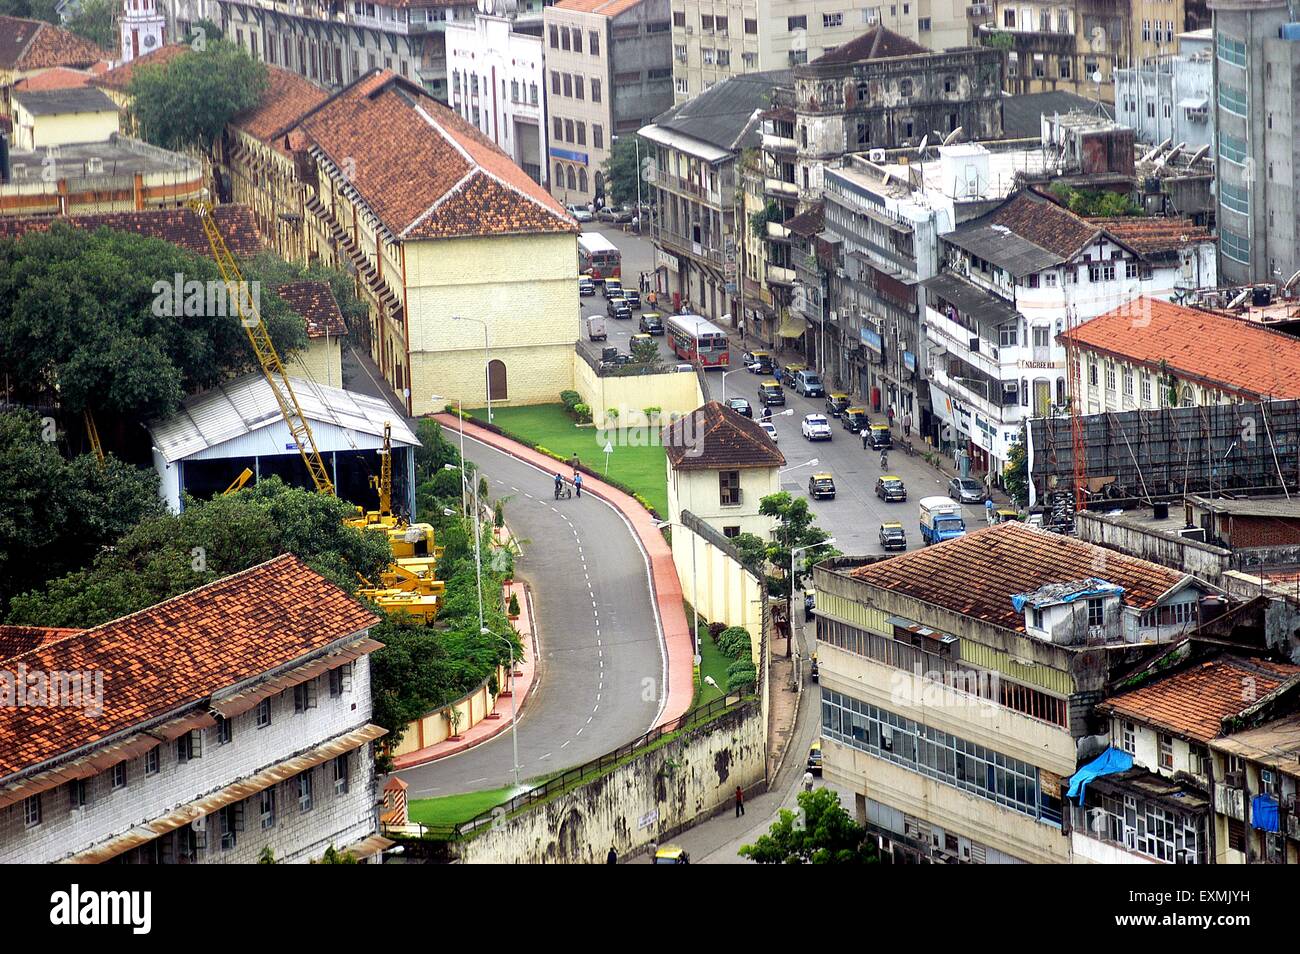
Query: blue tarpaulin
[1110,762]
[1052,594]
[1263,813]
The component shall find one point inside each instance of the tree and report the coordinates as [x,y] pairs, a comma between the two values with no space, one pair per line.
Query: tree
[646,353]
[621,172]
[758,221]
[794,530]
[825,835]
[187,101]
[94,21]
[333,856]
[46,10]
[1015,475]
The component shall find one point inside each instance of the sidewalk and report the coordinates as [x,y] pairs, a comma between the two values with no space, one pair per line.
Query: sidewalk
[498,720]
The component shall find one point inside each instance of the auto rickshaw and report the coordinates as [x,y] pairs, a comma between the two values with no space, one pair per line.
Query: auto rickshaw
[1004,515]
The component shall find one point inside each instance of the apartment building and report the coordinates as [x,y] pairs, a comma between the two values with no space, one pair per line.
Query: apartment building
[252,734]
[958,682]
[715,40]
[1150,354]
[1257,57]
[1171,97]
[497,82]
[610,73]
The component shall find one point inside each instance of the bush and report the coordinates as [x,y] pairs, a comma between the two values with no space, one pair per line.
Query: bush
[735,642]
[612,413]
[570,399]
[716,630]
[583,413]
[741,675]
[514,604]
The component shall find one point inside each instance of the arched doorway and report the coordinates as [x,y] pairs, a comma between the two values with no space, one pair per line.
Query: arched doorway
[497,380]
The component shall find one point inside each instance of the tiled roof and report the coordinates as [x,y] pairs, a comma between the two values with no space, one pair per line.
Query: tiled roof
[61,77]
[1194,702]
[316,303]
[20,639]
[178,226]
[431,174]
[714,436]
[977,574]
[119,77]
[34,45]
[176,654]
[808,222]
[606,8]
[287,99]
[1153,235]
[1226,353]
[876,44]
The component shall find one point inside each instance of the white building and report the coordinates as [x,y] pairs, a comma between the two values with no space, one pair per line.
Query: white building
[251,731]
[497,82]
[143,28]
[1170,97]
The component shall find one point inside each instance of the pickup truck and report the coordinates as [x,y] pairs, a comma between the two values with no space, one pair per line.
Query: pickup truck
[941,520]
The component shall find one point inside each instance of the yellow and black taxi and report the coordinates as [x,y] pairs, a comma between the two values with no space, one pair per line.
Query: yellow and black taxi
[837,402]
[821,485]
[759,362]
[1004,516]
[637,339]
[815,759]
[890,488]
[769,393]
[854,419]
[613,288]
[787,374]
[652,323]
[893,536]
[877,436]
[672,855]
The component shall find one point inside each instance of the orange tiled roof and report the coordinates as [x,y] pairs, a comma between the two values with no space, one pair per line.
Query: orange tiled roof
[61,77]
[714,436]
[1225,353]
[1194,702]
[119,77]
[35,45]
[20,639]
[977,574]
[1150,235]
[287,99]
[316,303]
[176,654]
[606,8]
[179,226]
[431,175]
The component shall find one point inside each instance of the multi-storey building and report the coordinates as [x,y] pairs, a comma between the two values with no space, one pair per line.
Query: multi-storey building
[1170,97]
[698,196]
[497,80]
[252,734]
[713,41]
[1257,60]
[610,72]
[958,682]
[336,43]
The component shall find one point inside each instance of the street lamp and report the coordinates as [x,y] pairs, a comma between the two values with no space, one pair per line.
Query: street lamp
[789,646]
[724,382]
[808,463]
[514,721]
[478,563]
[487,370]
[460,423]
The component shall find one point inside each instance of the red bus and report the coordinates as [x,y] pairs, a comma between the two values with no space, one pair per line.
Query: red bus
[693,339]
[598,257]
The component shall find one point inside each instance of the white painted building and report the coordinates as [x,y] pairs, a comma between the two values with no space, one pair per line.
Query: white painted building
[143,28]
[496,82]
[254,732]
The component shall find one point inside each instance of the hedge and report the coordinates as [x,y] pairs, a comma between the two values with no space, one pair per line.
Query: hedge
[735,642]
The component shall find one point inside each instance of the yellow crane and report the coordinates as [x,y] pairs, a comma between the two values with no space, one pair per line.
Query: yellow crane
[238,482]
[265,351]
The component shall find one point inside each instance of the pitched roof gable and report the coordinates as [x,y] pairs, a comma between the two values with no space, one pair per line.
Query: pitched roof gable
[878,43]
[34,45]
[715,436]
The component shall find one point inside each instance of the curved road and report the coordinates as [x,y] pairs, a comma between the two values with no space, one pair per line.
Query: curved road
[602,671]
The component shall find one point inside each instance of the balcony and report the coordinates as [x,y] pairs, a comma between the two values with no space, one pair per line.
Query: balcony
[960,390]
[964,343]
[779,144]
[779,274]
[1229,801]
[674,183]
[685,244]
[779,187]
[778,232]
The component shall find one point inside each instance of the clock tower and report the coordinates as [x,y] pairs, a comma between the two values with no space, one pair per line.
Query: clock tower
[144,29]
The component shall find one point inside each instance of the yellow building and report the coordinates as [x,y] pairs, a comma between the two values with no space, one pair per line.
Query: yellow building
[62,117]
[29,48]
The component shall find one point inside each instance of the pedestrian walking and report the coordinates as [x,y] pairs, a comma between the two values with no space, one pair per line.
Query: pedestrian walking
[907,423]
[889,416]
[988,510]
[740,801]
[577,484]
[612,857]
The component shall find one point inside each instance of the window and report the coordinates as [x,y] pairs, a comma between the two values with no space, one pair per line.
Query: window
[750,60]
[905,88]
[557,126]
[514,91]
[1049,279]
[267,808]
[1064,66]
[1128,382]
[568,84]
[1128,738]
[679,19]
[731,532]
[78,794]
[1231,50]
[1233,99]
[555,82]
[720,24]
[1008,336]
[119,776]
[1198,759]
[582,179]
[564,40]
[555,38]
[595,90]
[1033,281]
[32,811]
[340,680]
[305,790]
[729,488]
[706,55]
[724,58]
[594,38]
[304,696]
[577,40]
[152,759]
[681,86]
[706,23]
[1234,246]
[796,23]
[1232,149]
[923,24]
[577,88]
[1042,336]
[1130,270]
[597,136]
[830,20]
[1146,31]
[1110,376]
[225,730]
[232,822]
[1101,272]
[1146,388]
[864,132]
[264,713]
[341,774]
[189,746]
[1234,197]
[582,133]
[1166,747]
[1035,617]
[1040,66]
[568,131]
[1092,373]
[751,27]
[1096,613]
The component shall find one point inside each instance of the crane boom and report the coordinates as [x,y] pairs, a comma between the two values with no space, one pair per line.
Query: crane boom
[93,433]
[383,484]
[265,351]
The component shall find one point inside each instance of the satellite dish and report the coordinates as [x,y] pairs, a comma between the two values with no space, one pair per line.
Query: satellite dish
[949,139]
[925,141]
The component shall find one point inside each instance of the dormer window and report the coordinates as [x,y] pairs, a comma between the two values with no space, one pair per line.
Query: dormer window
[1035,618]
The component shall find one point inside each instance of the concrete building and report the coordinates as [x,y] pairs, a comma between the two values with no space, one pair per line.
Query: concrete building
[62,117]
[142,28]
[1257,60]
[698,192]
[1255,803]
[254,735]
[958,683]
[720,466]
[497,80]
[1171,97]
[723,39]
[610,66]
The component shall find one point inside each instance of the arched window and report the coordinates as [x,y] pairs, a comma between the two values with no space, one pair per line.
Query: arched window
[573,184]
[559,176]
[582,181]
[497,380]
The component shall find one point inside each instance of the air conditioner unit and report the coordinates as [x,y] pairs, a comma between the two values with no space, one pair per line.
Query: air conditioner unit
[200,823]
[1193,533]
[1265,777]
[876,155]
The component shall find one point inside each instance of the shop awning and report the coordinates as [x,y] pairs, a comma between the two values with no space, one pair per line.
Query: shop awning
[1201,103]
[1110,762]
[792,327]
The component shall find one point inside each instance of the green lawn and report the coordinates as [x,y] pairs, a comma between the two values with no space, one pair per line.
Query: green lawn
[641,468]
[712,663]
[454,809]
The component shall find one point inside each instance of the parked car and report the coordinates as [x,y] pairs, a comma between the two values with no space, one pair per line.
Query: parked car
[617,308]
[651,323]
[758,362]
[877,437]
[769,429]
[741,406]
[890,488]
[619,215]
[586,287]
[821,485]
[837,402]
[815,759]
[817,428]
[966,490]
[769,393]
[632,297]
[809,384]
[684,367]
[596,328]
[672,855]
[893,536]
[613,288]
[786,375]
[580,212]
[854,419]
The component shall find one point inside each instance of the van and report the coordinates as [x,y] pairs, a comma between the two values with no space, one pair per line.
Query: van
[809,384]
[769,393]
[596,329]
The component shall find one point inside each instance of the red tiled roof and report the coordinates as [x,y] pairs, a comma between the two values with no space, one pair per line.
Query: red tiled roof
[977,574]
[1194,702]
[1150,235]
[34,45]
[606,8]
[176,654]
[431,174]
[119,77]
[876,44]
[713,437]
[316,303]
[61,77]
[287,99]
[1045,223]
[1225,353]
[20,639]
[178,226]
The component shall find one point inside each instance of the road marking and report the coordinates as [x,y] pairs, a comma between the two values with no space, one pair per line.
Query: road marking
[565,743]
[475,781]
[579,732]
[588,722]
[596,706]
[543,758]
[515,489]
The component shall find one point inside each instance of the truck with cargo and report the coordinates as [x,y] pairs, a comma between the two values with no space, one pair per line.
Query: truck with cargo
[941,520]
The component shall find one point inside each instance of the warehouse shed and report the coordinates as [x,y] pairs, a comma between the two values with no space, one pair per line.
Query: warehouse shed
[202,448]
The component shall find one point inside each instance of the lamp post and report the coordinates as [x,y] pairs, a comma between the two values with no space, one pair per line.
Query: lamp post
[724,382]
[460,424]
[808,463]
[789,647]
[514,722]
[487,364]
[478,563]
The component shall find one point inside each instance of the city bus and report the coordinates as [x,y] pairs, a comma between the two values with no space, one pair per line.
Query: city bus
[598,257]
[693,338]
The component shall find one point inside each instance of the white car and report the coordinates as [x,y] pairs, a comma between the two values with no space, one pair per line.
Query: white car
[769,429]
[581,212]
[816,427]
